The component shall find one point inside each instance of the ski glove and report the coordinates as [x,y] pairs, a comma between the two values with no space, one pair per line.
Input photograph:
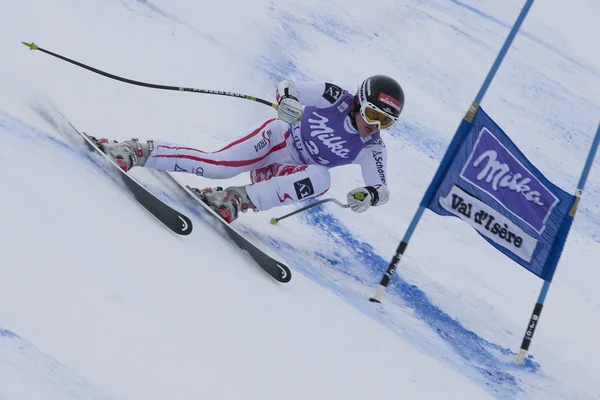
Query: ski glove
[289,110]
[360,199]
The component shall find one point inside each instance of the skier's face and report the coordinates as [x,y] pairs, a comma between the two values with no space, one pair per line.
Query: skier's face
[364,128]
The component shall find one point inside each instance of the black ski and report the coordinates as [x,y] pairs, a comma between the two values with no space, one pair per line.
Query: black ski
[277,270]
[171,218]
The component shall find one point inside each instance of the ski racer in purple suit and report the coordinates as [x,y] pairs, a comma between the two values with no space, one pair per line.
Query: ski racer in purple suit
[319,126]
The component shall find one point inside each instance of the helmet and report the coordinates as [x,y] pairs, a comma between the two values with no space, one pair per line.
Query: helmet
[381,100]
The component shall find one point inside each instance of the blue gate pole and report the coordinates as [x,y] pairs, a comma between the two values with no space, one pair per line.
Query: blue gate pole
[537,310]
[449,156]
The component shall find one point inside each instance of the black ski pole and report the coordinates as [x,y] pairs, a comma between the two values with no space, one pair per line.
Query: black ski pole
[33,46]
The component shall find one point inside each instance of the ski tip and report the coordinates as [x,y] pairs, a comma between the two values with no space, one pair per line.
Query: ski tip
[186,225]
[274,221]
[286,274]
[32,46]
[374,300]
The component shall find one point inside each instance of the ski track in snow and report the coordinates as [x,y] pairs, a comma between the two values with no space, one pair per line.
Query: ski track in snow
[359,263]
[40,375]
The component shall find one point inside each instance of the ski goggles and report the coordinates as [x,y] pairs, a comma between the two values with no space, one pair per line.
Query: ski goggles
[375,116]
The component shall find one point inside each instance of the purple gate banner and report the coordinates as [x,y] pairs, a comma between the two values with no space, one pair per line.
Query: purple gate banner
[485,180]
[494,170]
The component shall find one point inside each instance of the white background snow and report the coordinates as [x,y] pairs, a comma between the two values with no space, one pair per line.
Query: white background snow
[99,301]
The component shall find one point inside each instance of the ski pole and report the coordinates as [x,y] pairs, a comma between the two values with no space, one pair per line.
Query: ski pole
[274,220]
[33,46]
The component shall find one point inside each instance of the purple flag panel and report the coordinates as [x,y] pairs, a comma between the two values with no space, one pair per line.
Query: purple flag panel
[493,169]
[488,183]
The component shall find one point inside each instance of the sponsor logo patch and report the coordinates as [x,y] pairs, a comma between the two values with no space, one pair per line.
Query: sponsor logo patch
[319,130]
[378,157]
[332,92]
[198,171]
[179,169]
[390,101]
[264,142]
[304,188]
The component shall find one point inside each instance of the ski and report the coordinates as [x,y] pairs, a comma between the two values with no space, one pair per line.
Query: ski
[277,270]
[171,218]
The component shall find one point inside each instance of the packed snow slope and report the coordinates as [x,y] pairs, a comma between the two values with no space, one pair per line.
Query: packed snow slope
[99,301]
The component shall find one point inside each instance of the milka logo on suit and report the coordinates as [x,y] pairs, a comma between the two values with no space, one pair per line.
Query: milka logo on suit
[320,130]
[495,170]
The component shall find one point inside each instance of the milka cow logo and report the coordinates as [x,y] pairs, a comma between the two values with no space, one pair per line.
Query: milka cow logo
[493,169]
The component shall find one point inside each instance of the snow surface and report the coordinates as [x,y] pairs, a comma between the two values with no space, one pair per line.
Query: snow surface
[99,301]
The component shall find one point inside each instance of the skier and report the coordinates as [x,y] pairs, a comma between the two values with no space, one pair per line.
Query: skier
[319,126]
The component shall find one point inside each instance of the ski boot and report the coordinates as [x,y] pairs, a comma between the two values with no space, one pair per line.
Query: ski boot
[127,154]
[228,203]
